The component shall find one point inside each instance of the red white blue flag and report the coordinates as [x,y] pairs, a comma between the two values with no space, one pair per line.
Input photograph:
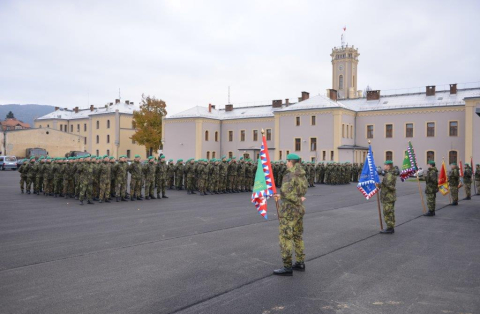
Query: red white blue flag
[264,186]
[369,176]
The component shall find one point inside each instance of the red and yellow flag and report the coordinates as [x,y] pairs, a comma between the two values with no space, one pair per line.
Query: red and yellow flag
[442,180]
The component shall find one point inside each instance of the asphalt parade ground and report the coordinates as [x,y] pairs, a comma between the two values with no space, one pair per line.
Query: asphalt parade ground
[215,254]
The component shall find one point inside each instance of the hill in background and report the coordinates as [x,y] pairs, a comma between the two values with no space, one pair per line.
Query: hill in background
[25,113]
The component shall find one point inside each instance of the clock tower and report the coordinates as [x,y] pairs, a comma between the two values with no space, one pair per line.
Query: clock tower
[344,71]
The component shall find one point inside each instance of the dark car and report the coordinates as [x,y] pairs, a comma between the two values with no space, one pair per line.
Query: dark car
[76,154]
[21,162]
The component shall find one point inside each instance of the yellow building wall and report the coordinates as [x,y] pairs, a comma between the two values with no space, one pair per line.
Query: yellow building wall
[56,143]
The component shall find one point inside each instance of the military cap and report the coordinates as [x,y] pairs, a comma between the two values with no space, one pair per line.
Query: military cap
[162,156]
[170,160]
[453,164]
[228,160]
[137,156]
[151,157]
[111,157]
[93,156]
[233,158]
[223,157]
[180,160]
[241,158]
[293,157]
[388,162]
[467,165]
[431,162]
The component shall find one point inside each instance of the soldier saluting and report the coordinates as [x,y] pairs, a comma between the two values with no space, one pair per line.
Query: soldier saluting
[292,193]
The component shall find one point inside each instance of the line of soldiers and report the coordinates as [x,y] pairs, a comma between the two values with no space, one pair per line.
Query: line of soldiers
[219,176]
[94,178]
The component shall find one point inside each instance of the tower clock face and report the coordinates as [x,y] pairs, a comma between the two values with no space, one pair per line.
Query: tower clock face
[340,67]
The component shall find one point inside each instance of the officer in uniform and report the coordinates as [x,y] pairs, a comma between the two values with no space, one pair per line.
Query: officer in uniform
[477,178]
[431,189]
[135,170]
[388,196]
[292,195]
[453,179]
[467,180]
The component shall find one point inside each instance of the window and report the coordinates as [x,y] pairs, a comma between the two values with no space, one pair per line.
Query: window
[287,153]
[85,140]
[206,136]
[453,128]
[78,127]
[48,125]
[108,152]
[84,127]
[340,82]
[61,127]
[98,152]
[297,121]
[98,125]
[133,141]
[298,144]
[98,139]
[269,134]
[452,156]
[314,120]
[108,138]
[348,136]
[213,154]
[313,144]
[351,131]
[430,129]
[128,153]
[280,155]
[331,155]
[133,124]
[364,155]
[343,130]
[388,155]
[258,156]
[389,131]
[216,136]
[242,136]
[230,155]
[312,159]
[230,136]
[409,130]
[430,156]
[208,155]
[108,124]
[255,135]
[369,131]
[324,155]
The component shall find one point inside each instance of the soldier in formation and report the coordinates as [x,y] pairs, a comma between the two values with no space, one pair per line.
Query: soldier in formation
[431,189]
[467,180]
[453,181]
[477,178]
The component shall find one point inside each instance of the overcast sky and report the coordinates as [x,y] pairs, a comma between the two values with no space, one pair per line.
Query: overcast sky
[72,53]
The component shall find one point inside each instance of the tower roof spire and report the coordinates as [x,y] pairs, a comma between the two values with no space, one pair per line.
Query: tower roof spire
[343,37]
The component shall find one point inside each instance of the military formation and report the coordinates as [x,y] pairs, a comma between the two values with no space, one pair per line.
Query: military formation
[94,178]
[221,176]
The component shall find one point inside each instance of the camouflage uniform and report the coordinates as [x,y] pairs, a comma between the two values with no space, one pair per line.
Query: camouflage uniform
[179,171]
[249,176]
[202,174]
[150,179]
[113,181]
[214,178]
[431,189]
[120,170]
[23,176]
[453,179]
[161,177]
[46,170]
[170,174]
[467,180]
[105,180]
[86,182]
[68,180]
[294,187]
[135,179]
[477,178]
[96,180]
[388,197]
[31,175]
[232,176]
[190,176]
[223,166]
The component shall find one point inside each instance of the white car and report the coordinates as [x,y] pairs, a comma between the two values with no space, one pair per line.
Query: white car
[8,162]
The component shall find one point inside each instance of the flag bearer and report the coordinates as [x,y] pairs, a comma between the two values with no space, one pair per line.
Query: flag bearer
[388,196]
[431,189]
[292,194]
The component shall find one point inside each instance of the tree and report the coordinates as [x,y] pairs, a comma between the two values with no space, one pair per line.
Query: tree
[148,123]
[10,115]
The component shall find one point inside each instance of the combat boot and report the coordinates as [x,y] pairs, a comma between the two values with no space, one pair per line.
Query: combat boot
[300,266]
[22,191]
[107,200]
[147,198]
[193,192]
[158,196]
[124,199]
[387,231]
[100,201]
[153,197]
[81,202]
[164,196]
[189,192]
[429,214]
[454,204]
[28,192]
[467,198]
[284,271]
[139,199]
[90,202]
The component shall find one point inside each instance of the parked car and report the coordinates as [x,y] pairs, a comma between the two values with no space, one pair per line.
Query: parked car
[76,154]
[37,152]
[8,162]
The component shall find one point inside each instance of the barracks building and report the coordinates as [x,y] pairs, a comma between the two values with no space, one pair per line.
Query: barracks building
[441,122]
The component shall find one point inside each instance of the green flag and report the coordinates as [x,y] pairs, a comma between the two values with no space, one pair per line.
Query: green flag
[409,163]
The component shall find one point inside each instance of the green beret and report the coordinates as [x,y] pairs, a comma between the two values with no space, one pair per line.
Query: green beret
[293,157]
[170,160]
[233,158]
[137,156]
[111,157]
[228,160]
[388,162]
[151,157]
[241,158]
[162,156]
[180,160]
[93,156]
[223,157]
[453,164]
[467,165]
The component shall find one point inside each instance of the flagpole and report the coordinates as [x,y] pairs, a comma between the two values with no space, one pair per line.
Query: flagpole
[378,202]
[449,194]
[276,200]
